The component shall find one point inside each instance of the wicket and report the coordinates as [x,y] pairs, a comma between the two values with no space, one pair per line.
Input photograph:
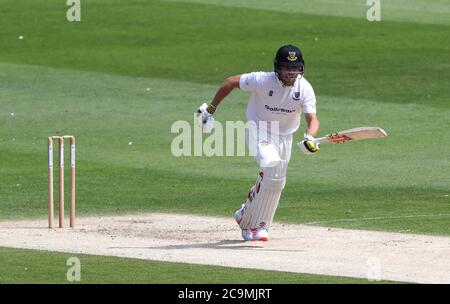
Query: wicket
[61,180]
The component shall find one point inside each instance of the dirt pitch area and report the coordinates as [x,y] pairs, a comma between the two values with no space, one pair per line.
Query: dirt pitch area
[217,241]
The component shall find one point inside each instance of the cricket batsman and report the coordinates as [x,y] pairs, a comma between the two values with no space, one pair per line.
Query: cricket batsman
[278,99]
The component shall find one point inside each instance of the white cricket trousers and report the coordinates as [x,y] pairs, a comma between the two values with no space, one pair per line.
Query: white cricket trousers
[272,152]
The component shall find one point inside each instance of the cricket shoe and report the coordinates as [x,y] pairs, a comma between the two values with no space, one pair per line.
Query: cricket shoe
[258,234]
[247,235]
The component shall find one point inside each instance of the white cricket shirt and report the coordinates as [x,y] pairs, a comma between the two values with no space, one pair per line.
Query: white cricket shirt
[270,100]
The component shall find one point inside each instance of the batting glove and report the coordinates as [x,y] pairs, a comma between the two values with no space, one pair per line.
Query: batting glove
[308,146]
[205,117]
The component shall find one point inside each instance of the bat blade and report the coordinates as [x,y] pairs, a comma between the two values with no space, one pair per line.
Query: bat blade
[353,134]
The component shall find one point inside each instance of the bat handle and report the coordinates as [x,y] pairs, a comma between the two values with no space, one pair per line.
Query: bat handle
[320,139]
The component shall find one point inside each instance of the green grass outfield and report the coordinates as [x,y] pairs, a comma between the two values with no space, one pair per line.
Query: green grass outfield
[33,266]
[119,79]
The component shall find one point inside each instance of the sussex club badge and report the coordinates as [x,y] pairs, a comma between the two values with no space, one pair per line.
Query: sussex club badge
[292,56]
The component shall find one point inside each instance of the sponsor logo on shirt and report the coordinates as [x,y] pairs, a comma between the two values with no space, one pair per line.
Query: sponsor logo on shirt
[270,93]
[276,109]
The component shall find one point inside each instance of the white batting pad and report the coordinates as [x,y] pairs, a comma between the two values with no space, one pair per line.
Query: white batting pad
[262,204]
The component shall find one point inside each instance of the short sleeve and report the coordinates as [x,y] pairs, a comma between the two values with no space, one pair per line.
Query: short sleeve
[250,81]
[309,99]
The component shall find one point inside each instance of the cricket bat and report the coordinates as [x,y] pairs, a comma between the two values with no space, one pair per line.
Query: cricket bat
[352,135]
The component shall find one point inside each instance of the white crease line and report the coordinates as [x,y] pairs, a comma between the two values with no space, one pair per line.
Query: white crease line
[376,218]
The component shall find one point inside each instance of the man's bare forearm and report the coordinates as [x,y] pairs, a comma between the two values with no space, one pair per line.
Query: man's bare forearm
[313,128]
[227,86]
[313,125]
